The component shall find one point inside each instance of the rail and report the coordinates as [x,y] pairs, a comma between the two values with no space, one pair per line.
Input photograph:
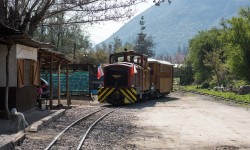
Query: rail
[74,123]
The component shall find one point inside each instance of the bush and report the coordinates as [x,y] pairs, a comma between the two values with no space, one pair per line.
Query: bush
[205,85]
[239,83]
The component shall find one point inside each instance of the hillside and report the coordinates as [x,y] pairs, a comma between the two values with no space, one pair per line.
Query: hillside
[173,25]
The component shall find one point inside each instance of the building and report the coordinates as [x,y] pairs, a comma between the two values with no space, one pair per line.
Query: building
[20,70]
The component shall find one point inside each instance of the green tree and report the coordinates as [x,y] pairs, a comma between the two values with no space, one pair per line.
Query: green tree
[216,60]
[65,38]
[93,56]
[117,45]
[186,75]
[144,44]
[129,46]
[238,47]
[199,48]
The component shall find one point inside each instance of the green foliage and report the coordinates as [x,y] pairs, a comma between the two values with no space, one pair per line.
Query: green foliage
[93,57]
[205,85]
[239,39]
[199,48]
[230,95]
[144,45]
[129,46]
[239,83]
[117,45]
[65,38]
[215,60]
[218,55]
[186,75]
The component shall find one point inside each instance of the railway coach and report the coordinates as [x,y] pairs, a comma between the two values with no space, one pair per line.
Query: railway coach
[130,77]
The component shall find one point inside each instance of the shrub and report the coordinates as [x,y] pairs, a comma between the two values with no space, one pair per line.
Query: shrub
[205,85]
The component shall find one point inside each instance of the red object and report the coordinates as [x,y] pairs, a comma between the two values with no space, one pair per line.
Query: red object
[133,70]
[39,91]
[99,72]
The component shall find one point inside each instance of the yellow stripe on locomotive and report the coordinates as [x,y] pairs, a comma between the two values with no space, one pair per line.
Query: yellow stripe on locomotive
[117,96]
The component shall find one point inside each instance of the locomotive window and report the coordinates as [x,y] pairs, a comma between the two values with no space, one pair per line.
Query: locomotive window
[131,58]
[138,59]
[113,59]
[120,59]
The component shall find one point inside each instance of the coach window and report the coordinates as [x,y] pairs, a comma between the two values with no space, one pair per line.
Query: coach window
[28,72]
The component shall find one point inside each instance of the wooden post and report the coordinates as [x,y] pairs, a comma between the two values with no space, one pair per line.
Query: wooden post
[59,83]
[7,82]
[51,83]
[67,85]
[40,66]
[90,82]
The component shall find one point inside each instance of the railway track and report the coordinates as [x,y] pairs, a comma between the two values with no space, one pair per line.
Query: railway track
[74,135]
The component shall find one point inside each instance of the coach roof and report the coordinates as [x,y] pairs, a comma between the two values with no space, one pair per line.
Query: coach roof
[160,61]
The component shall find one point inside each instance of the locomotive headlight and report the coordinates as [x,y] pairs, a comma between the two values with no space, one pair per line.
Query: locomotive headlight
[152,88]
[133,85]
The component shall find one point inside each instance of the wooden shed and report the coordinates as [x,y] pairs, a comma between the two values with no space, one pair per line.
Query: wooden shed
[54,61]
[20,70]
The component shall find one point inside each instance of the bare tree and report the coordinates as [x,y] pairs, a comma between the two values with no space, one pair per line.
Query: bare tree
[27,15]
[158,2]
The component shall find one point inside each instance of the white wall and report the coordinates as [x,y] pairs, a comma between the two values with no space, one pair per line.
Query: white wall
[26,52]
[12,66]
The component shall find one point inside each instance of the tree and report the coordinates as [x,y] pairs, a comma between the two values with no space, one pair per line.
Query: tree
[216,60]
[186,75]
[199,47]
[180,56]
[238,46]
[27,15]
[158,2]
[65,38]
[95,57]
[117,45]
[144,44]
[129,46]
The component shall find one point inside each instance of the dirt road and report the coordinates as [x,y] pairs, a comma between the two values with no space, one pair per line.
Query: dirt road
[192,122]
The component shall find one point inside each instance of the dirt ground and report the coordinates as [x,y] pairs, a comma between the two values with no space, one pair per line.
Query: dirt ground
[192,122]
[180,121]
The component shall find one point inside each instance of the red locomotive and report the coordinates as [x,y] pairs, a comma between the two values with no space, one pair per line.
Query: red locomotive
[130,77]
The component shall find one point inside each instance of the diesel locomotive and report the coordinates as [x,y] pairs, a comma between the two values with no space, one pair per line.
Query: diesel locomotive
[130,77]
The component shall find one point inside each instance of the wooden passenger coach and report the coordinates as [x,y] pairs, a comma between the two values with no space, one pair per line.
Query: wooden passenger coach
[161,75]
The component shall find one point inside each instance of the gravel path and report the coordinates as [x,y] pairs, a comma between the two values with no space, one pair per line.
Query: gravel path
[192,122]
[177,122]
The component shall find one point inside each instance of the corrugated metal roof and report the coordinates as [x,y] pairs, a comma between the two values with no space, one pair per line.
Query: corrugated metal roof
[12,36]
[46,55]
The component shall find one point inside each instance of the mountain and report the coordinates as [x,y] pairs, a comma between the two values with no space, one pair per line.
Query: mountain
[173,25]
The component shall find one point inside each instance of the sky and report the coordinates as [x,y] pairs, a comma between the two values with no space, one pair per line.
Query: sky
[102,31]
